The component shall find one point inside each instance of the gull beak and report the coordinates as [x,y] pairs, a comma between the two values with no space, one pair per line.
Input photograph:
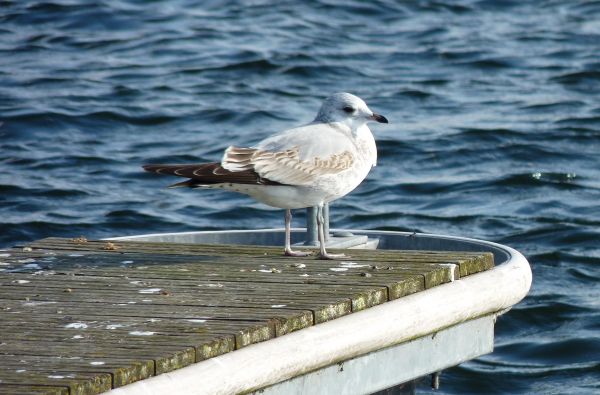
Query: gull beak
[378,118]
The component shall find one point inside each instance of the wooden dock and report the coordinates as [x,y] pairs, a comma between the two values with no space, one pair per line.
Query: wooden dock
[83,317]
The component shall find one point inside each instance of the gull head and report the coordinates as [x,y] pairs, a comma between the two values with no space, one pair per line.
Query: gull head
[348,109]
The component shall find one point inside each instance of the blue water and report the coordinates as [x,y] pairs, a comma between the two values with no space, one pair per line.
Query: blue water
[495,134]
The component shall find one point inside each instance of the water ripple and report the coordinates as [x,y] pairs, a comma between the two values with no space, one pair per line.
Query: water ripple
[494,134]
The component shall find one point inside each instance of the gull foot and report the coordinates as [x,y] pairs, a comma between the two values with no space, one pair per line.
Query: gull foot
[332,256]
[296,253]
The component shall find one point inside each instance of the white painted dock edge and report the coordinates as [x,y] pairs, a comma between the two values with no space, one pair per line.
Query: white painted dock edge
[264,364]
[388,367]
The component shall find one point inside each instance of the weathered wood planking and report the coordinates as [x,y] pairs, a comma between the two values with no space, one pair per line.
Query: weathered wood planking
[81,317]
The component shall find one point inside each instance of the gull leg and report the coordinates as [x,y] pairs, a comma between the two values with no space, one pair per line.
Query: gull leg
[320,225]
[288,225]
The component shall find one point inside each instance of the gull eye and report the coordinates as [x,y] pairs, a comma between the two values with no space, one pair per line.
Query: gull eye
[348,110]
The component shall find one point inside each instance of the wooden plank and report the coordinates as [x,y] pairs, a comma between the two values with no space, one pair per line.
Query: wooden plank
[120,246]
[77,383]
[164,359]
[245,332]
[28,389]
[329,307]
[327,273]
[123,370]
[85,316]
[472,260]
[166,353]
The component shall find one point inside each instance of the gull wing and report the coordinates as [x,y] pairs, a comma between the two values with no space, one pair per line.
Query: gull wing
[298,156]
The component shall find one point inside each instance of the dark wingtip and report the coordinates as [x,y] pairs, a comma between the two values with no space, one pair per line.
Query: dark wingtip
[153,168]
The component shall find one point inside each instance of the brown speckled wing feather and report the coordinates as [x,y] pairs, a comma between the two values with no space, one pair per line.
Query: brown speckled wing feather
[286,165]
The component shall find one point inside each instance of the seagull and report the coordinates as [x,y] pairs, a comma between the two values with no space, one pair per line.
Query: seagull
[306,166]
